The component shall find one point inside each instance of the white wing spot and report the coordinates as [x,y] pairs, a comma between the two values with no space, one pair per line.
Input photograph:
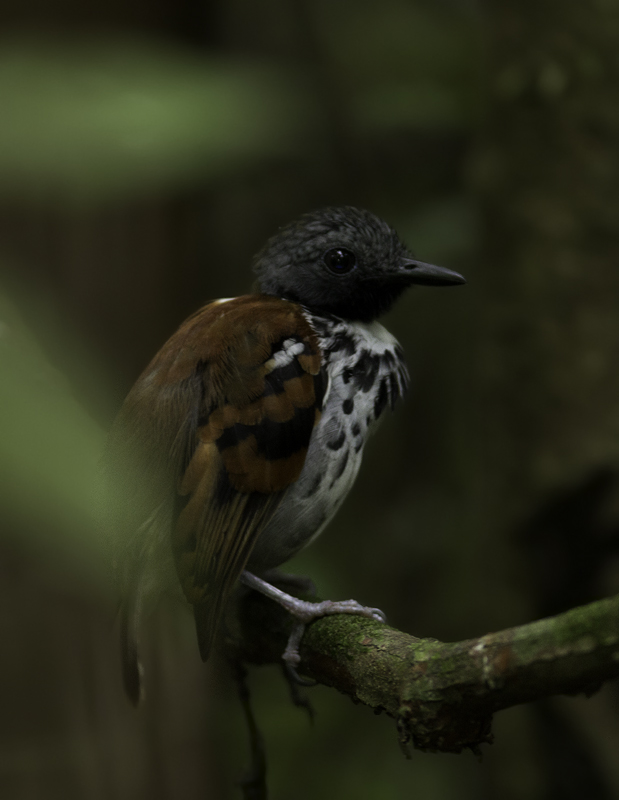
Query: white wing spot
[291,348]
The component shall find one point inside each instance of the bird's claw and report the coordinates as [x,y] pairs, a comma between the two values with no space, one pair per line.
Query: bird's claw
[306,612]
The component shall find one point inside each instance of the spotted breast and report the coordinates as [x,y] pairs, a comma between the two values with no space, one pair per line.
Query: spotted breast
[365,370]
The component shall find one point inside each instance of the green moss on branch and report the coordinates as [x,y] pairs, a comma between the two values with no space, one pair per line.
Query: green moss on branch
[442,695]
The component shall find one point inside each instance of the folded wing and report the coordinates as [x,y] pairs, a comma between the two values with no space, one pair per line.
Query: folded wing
[222,419]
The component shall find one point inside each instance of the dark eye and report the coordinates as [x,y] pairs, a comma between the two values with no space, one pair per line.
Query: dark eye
[340,260]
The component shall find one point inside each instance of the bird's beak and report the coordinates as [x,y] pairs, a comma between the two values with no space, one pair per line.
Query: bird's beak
[428,274]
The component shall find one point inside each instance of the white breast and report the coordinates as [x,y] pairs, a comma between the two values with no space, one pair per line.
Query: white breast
[366,372]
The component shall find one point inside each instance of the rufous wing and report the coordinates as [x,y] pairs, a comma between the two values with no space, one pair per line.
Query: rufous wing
[237,392]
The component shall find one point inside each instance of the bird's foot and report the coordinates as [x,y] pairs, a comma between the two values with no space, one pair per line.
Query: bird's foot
[305,612]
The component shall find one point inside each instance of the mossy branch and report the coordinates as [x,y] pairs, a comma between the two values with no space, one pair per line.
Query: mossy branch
[442,695]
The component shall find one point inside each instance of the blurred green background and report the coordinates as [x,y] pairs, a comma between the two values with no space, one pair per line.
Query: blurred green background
[147,149]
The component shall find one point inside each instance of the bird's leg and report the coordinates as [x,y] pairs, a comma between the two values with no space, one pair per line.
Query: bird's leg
[287,580]
[305,612]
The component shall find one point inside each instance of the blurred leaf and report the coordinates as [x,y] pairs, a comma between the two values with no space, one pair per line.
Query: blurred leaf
[443,230]
[422,105]
[49,450]
[406,66]
[400,40]
[106,116]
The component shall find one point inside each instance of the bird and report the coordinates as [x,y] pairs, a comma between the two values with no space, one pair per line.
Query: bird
[242,437]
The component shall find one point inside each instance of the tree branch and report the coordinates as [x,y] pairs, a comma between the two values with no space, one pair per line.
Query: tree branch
[442,695]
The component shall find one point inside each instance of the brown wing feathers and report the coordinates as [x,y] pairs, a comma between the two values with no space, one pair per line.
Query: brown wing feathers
[251,368]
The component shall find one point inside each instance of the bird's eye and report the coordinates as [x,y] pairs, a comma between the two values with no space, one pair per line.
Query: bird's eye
[340,260]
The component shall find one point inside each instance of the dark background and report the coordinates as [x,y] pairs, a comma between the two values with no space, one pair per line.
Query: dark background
[147,149]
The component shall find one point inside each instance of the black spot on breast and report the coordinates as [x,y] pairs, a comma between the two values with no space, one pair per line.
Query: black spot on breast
[347,375]
[359,446]
[382,398]
[341,342]
[394,393]
[366,370]
[335,444]
[340,469]
[356,429]
[348,405]
[388,359]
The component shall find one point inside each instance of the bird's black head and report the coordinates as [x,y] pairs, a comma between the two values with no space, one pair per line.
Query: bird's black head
[343,261]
